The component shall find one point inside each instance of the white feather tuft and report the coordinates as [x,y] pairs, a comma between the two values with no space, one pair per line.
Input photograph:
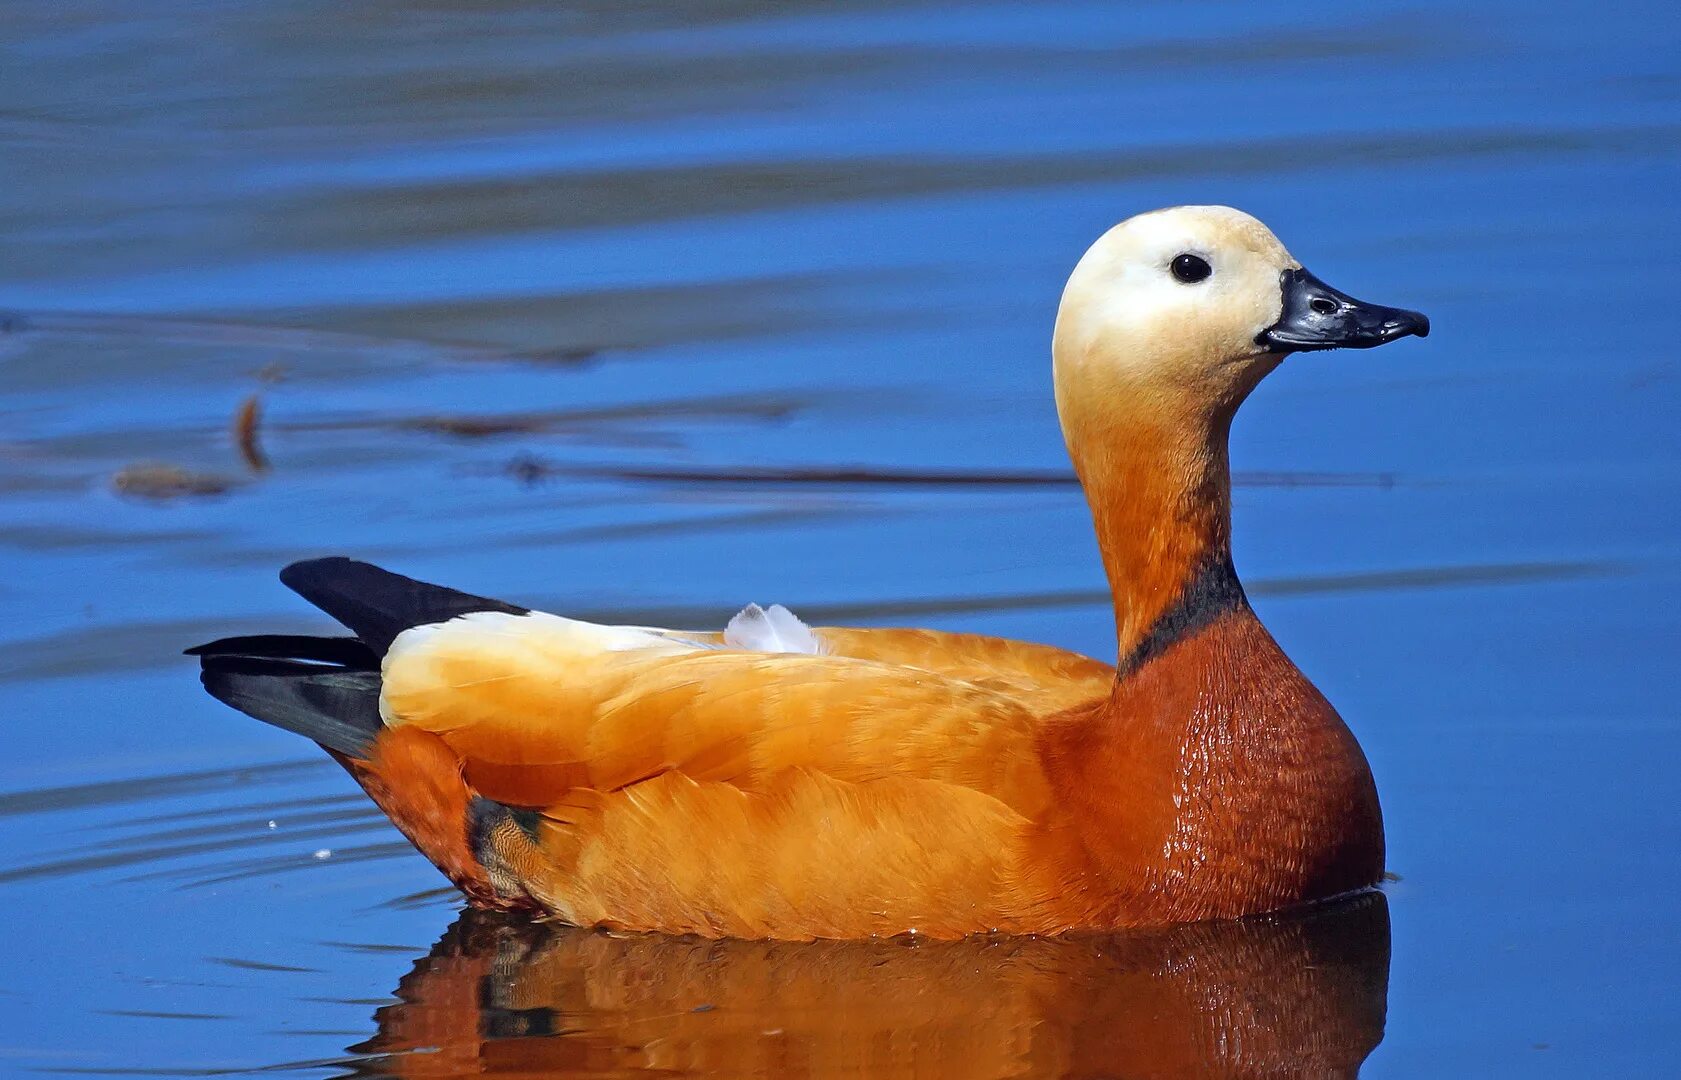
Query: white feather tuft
[770,630]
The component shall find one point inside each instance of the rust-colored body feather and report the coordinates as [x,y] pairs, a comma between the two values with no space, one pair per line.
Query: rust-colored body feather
[738,794]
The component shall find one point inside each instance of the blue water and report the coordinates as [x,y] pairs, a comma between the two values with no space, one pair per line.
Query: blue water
[579,303]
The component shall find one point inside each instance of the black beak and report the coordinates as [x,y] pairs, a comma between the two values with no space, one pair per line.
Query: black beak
[1317,316]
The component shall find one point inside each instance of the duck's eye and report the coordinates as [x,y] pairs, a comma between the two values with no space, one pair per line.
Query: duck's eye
[1190,268]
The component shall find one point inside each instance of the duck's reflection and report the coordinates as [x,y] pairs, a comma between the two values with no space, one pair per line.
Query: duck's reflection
[1301,995]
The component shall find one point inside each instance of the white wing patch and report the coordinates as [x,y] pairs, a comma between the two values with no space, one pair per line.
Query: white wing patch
[530,645]
[498,647]
[551,635]
[775,630]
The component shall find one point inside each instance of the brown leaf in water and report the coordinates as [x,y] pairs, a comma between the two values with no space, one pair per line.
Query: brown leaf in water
[246,420]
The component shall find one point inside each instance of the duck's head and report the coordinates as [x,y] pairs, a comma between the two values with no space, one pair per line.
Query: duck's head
[1188,308]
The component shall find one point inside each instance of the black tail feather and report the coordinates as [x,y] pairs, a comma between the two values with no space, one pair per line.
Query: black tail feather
[336,707]
[344,651]
[327,688]
[376,604]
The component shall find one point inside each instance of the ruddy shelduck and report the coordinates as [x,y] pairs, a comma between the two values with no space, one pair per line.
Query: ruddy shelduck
[774,780]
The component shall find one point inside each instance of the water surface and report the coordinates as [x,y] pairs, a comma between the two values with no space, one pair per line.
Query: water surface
[647,311]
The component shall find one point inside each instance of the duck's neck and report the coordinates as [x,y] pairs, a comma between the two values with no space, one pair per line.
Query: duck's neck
[1159,484]
[1215,780]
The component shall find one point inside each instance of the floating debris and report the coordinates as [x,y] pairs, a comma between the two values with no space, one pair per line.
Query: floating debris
[246,420]
[160,481]
[480,427]
[530,470]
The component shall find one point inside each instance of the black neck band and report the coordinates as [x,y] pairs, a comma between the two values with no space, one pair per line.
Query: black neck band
[1212,591]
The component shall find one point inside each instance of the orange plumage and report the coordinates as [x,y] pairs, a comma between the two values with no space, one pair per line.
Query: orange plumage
[774,781]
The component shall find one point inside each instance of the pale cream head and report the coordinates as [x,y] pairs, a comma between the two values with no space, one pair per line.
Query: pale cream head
[1128,325]
[1167,324]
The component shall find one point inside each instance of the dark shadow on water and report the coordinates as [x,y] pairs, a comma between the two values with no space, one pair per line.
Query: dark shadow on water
[609,197]
[1302,995]
[124,792]
[868,476]
[280,338]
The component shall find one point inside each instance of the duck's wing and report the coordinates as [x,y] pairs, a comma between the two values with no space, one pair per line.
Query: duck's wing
[649,779]
[1042,677]
[536,706]
[628,779]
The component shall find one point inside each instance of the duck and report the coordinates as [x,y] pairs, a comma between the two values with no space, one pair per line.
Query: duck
[774,780]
